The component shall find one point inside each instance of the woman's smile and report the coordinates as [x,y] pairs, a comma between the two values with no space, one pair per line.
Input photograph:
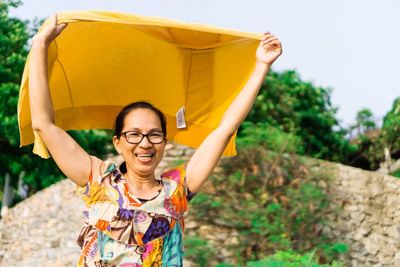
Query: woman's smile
[144,157]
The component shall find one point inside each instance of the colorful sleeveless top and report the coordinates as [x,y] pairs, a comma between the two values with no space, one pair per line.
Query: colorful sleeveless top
[120,230]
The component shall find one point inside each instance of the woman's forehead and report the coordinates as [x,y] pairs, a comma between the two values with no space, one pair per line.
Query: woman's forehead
[142,119]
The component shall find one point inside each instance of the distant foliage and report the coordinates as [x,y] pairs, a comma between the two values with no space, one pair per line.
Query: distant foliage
[269,137]
[364,121]
[372,144]
[303,110]
[14,35]
[291,259]
[391,127]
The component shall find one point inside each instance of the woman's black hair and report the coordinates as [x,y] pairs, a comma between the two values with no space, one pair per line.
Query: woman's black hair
[120,120]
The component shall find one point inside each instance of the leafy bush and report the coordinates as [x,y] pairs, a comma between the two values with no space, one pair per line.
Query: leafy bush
[198,250]
[274,202]
[391,127]
[291,259]
[272,138]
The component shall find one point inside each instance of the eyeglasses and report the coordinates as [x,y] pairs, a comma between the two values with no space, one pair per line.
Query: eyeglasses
[134,137]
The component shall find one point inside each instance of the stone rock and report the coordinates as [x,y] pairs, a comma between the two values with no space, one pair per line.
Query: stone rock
[397,259]
[226,253]
[371,247]
[393,231]
[4,211]
[187,263]
[357,217]
[357,236]
[191,225]
[175,153]
[232,240]
[169,146]
[221,236]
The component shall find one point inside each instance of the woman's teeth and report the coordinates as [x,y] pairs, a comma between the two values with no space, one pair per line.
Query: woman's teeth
[144,158]
[144,155]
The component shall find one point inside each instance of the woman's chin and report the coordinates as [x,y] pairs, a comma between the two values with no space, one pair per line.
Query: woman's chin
[145,167]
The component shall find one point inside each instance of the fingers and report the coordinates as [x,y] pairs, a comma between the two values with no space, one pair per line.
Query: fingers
[269,49]
[268,37]
[60,28]
[53,20]
[50,30]
[269,40]
[54,24]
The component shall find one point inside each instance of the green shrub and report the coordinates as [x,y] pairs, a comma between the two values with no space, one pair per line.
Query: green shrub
[291,259]
[198,250]
[272,138]
[273,201]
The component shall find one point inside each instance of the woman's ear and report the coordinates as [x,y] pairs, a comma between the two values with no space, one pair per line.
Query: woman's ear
[116,143]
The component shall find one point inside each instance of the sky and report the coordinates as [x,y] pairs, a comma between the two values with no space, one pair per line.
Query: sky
[352,47]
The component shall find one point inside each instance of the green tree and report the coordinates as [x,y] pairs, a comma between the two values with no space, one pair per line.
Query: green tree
[382,145]
[300,108]
[364,121]
[14,161]
[391,128]
[14,36]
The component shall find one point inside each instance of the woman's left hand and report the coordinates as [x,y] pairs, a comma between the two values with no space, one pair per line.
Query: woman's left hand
[50,32]
[269,49]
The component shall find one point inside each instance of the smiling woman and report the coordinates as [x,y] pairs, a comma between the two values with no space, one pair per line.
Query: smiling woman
[134,218]
[132,123]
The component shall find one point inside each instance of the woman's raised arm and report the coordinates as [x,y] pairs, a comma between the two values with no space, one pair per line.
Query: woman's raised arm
[210,151]
[73,161]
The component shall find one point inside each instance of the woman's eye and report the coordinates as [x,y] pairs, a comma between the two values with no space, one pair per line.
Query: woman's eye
[156,134]
[134,134]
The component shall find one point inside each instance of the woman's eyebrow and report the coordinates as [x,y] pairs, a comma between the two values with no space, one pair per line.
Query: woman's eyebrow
[140,130]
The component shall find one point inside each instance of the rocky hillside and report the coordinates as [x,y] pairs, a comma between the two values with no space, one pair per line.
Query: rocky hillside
[41,231]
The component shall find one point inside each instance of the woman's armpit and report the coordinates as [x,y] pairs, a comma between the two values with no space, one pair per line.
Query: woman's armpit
[93,182]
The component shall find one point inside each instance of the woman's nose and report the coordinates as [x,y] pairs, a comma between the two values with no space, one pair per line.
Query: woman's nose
[145,142]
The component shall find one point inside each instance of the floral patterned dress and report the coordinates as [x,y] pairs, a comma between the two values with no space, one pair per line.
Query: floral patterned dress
[120,230]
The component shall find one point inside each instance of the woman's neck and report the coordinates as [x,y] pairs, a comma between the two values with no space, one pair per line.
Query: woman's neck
[139,182]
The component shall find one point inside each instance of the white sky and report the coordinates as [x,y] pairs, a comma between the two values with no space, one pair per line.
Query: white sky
[350,46]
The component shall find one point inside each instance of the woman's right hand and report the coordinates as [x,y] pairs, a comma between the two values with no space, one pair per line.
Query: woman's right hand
[50,32]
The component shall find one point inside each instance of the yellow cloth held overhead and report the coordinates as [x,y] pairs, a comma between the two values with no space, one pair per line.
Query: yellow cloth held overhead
[103,61]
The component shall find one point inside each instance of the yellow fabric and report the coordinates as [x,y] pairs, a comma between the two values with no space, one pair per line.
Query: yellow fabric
[103,61]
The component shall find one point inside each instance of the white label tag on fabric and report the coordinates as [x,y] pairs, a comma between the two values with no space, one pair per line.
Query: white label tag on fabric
[180,118]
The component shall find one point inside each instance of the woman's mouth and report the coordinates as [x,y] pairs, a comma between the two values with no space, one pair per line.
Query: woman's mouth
[144,157]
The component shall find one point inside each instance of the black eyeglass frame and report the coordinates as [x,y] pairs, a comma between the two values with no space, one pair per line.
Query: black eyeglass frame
[143,136]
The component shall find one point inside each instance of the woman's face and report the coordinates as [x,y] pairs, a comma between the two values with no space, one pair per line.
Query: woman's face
[143,158]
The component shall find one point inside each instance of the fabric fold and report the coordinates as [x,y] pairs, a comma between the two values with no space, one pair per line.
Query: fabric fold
[104,60]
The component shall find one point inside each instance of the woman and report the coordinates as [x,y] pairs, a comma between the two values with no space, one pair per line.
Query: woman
[132,217]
